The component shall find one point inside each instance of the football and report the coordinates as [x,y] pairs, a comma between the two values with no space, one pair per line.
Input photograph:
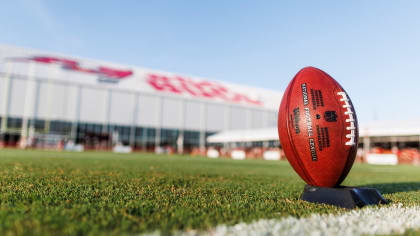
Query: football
[318,128]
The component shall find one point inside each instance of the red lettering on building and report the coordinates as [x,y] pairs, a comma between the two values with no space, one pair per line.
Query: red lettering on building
[180,85]
[75,66]
[162,83]
[177,84]
[187,86]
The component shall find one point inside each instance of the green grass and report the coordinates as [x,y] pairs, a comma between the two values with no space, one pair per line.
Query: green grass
[103,193]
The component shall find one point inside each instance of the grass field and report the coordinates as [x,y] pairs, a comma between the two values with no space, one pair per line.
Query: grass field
[103,193]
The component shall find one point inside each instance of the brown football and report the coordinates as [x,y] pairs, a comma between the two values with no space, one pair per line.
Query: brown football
[318,128]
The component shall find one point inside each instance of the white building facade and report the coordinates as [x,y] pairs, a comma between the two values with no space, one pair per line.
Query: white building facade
[98,103]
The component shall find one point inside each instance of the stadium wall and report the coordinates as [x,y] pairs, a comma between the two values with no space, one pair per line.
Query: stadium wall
[98,103]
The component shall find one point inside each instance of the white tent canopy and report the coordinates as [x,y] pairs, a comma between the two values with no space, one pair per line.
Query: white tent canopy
[376,129]
[253,135]
[390,128]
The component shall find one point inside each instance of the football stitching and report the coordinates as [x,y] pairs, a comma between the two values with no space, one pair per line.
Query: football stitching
[350,120]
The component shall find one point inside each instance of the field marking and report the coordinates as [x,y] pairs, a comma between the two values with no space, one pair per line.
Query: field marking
[395,219]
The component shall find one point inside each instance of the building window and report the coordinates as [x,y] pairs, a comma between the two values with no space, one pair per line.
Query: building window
[168,137]
[191,138]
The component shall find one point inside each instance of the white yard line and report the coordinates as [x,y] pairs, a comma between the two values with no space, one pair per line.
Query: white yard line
[395,219]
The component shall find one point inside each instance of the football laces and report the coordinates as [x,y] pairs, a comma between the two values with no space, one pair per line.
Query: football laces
[351,125]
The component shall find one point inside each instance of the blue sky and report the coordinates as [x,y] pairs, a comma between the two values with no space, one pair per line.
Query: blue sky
[371,47]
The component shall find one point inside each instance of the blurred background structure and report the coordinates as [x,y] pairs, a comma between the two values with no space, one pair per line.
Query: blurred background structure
[60,101]
[50,100]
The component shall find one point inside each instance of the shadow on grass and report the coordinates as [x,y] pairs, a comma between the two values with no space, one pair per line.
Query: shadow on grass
[388,188]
